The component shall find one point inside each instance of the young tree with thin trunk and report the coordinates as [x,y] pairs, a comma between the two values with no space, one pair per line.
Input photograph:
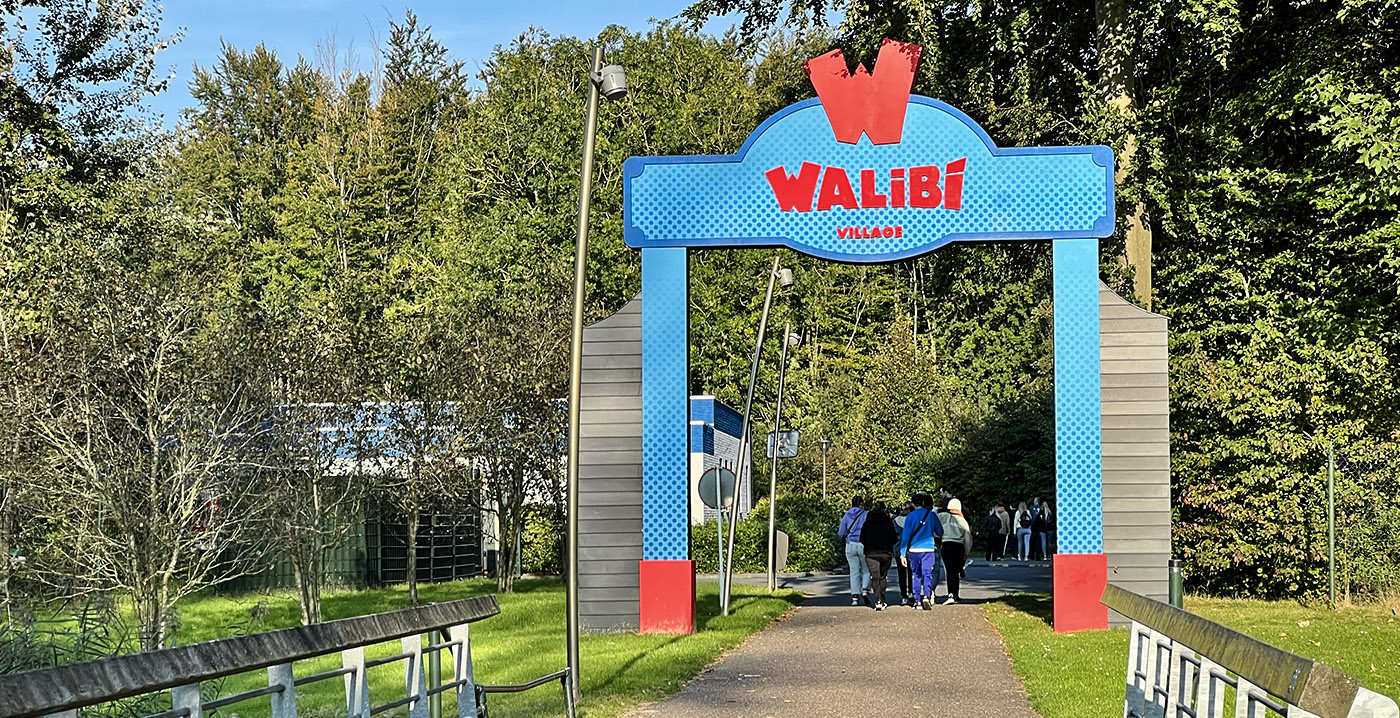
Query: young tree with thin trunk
[148,447]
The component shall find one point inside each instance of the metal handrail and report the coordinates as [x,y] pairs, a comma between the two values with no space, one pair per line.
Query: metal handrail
[65,688]
[240,697]
[522,687]
[1263,671]
[565,678]
[324,676]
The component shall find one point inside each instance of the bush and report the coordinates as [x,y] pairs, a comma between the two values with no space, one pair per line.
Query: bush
[809,522]
[807,511]
[750,546]
[542,542]
[813,551]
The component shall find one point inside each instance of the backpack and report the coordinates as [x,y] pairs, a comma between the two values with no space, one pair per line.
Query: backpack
[1025,520]
[1038,522]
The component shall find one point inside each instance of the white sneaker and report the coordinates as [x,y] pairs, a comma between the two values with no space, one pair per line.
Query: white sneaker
[950,601]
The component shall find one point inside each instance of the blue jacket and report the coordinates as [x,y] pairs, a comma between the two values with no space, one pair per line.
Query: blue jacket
[851,524]
[926,537]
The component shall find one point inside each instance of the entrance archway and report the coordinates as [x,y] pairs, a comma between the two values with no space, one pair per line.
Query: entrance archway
[864,173]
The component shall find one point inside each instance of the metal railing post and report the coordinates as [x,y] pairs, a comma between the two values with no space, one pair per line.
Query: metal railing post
[435,676]
[1174,582]
[356,683]
[186,697]
[462,671]
[568,695]
[414,680]
[284,701]
[1210,691]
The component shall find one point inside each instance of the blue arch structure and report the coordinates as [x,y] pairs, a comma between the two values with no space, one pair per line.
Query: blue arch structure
[794,184]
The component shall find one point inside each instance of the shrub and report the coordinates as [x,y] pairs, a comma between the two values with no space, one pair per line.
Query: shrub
[542,542]
[809,522]
[813,550]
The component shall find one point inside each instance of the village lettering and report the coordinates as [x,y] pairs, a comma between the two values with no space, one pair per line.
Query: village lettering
[926,187]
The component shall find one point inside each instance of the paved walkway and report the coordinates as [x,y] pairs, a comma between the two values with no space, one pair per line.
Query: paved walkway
[828,658]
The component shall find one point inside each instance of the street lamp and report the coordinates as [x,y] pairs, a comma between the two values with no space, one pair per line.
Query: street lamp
[611,81]
[792,340]
[777,274]
[826,446]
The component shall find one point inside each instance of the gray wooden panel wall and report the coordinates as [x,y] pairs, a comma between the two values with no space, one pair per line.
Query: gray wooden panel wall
[1136,447]
[610,472]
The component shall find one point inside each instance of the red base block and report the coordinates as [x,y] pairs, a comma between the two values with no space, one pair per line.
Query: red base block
[1079,582]
[668,596]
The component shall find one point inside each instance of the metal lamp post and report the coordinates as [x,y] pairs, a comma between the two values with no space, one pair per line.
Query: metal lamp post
[790,340]
[611,82]
[826,446]
[1331,526]
[777,274]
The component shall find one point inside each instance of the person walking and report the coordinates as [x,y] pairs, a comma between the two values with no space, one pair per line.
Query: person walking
[849,531]
[1023,521]
[991,530]
[957,544]
[918,549]
[1005,531]
[904,596]
[1037,530]
[879,537]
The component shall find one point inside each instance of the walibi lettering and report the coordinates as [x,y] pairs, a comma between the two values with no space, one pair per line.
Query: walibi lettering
[925,187]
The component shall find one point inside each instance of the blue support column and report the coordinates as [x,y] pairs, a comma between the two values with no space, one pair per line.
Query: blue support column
[665,405]
[1078,436]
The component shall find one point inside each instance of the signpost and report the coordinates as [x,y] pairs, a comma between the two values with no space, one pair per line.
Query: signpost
[717,492]
[787,444]
[717,489]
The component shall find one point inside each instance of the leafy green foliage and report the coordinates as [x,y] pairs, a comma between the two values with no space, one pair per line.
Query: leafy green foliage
[809,522]
[1266,162]
[543,541]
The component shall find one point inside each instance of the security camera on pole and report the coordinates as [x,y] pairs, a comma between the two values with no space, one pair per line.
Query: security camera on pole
[611,81]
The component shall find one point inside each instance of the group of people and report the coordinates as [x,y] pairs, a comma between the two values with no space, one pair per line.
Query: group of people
[1031,530]
[924,539]
[919,536]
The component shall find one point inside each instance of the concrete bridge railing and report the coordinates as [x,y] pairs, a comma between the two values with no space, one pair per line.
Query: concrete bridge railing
[1181,665]
[63,690]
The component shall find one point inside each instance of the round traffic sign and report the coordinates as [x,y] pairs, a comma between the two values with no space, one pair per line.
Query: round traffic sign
[721,478]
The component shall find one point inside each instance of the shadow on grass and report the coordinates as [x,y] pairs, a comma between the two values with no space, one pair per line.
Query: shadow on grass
[710,613]
[1036,605]
[633,661]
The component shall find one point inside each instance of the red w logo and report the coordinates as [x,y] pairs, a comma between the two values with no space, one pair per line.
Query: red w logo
[869,102]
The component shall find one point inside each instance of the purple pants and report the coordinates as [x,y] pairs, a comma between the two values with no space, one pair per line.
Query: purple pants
[923,567]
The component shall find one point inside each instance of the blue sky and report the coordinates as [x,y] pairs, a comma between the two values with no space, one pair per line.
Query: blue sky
[470,28]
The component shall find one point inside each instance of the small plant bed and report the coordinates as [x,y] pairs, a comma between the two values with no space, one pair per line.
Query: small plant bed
[1081,675]
[525,641]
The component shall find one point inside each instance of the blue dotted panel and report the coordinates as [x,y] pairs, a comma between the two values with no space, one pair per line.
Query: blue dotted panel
[727,201]
[665,405]
[1078,437]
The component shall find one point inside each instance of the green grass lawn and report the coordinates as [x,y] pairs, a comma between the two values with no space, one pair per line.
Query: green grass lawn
[1083,675]
[525,641]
